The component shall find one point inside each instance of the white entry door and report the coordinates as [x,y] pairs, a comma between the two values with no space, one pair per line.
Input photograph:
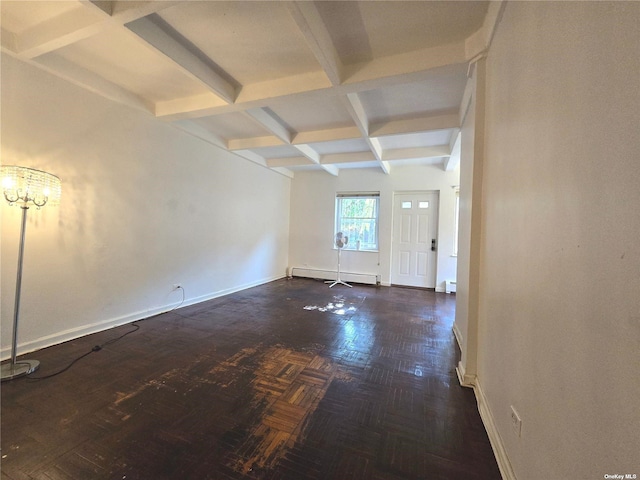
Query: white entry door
[415,223]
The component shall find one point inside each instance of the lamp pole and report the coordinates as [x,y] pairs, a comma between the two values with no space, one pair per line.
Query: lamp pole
[24,367]
[24,186]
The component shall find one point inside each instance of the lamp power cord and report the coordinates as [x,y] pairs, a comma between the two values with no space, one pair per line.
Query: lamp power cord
[97,348]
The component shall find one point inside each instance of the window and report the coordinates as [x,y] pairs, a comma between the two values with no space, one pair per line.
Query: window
[357,218]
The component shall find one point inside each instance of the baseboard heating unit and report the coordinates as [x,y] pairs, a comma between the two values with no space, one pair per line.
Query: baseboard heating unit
[366,278]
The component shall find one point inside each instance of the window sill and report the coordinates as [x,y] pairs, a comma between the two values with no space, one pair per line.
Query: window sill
[354,250]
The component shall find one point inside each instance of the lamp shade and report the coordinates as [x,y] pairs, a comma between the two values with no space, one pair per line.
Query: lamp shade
[26,186]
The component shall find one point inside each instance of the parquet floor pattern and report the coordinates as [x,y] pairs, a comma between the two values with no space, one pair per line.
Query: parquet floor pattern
[289,380]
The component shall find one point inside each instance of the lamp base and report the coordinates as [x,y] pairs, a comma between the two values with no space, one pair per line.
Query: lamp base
[18,369]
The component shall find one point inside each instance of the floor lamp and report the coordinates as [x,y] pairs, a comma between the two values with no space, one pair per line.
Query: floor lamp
[25,187]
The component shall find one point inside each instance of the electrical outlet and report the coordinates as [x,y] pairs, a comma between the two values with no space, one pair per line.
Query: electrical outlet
[516,421]
[176,286]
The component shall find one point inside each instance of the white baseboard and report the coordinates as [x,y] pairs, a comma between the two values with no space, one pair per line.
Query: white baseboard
[366,278]
[506,470]
[471,381]
[88,329]
[458,335]
[229,291]
[466,380]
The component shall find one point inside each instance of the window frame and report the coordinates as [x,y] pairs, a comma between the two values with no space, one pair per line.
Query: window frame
[339,220]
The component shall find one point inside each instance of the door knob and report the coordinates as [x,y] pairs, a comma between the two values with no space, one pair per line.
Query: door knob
[433,244]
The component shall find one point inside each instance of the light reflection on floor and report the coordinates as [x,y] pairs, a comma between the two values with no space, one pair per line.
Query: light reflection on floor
[338,306]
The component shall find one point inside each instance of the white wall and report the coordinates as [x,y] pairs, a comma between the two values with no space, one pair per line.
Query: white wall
[313,217]
[559,317]
[143,206]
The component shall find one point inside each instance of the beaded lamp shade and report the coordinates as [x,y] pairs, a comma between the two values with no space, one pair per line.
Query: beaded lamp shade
[26,186]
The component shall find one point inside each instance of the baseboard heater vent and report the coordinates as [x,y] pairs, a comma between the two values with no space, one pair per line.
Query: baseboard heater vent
[366,278]
[450,286]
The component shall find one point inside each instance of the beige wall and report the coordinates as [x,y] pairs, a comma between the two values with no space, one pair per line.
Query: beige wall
[559,311]
[143,206]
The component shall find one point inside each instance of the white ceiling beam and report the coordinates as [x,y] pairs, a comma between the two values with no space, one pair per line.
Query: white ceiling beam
[309,153]
[351,157]
[283,171]
[356,110]
[155,32]
[254,142]
[255,158]
[327,135]
[449,164]
[416,153]
[272,123]
[91,18]
[262,93]
[105,5]
[415,125]
[186,104]
[252,156]
[318,39]
[453,160]
[300,138]
[314,156]
[57,32]
[480,41]
[455,139]
[268,120]
[405,64]
[332,169]
[61,67]
[200,132]
[8,41]
[126,11]
[377,150]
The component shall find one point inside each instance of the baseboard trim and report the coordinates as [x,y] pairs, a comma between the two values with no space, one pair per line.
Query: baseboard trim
[81,331]
[458,335]
[229,291]
[499,452]
[466,380]
[506,470]
[307,272]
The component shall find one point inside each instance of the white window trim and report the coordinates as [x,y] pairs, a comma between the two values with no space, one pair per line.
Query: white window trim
[351,246]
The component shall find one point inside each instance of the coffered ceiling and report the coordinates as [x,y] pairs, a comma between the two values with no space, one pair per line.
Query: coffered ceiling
[292,86]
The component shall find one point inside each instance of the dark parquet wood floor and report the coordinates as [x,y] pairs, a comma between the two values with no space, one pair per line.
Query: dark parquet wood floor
[289,380]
